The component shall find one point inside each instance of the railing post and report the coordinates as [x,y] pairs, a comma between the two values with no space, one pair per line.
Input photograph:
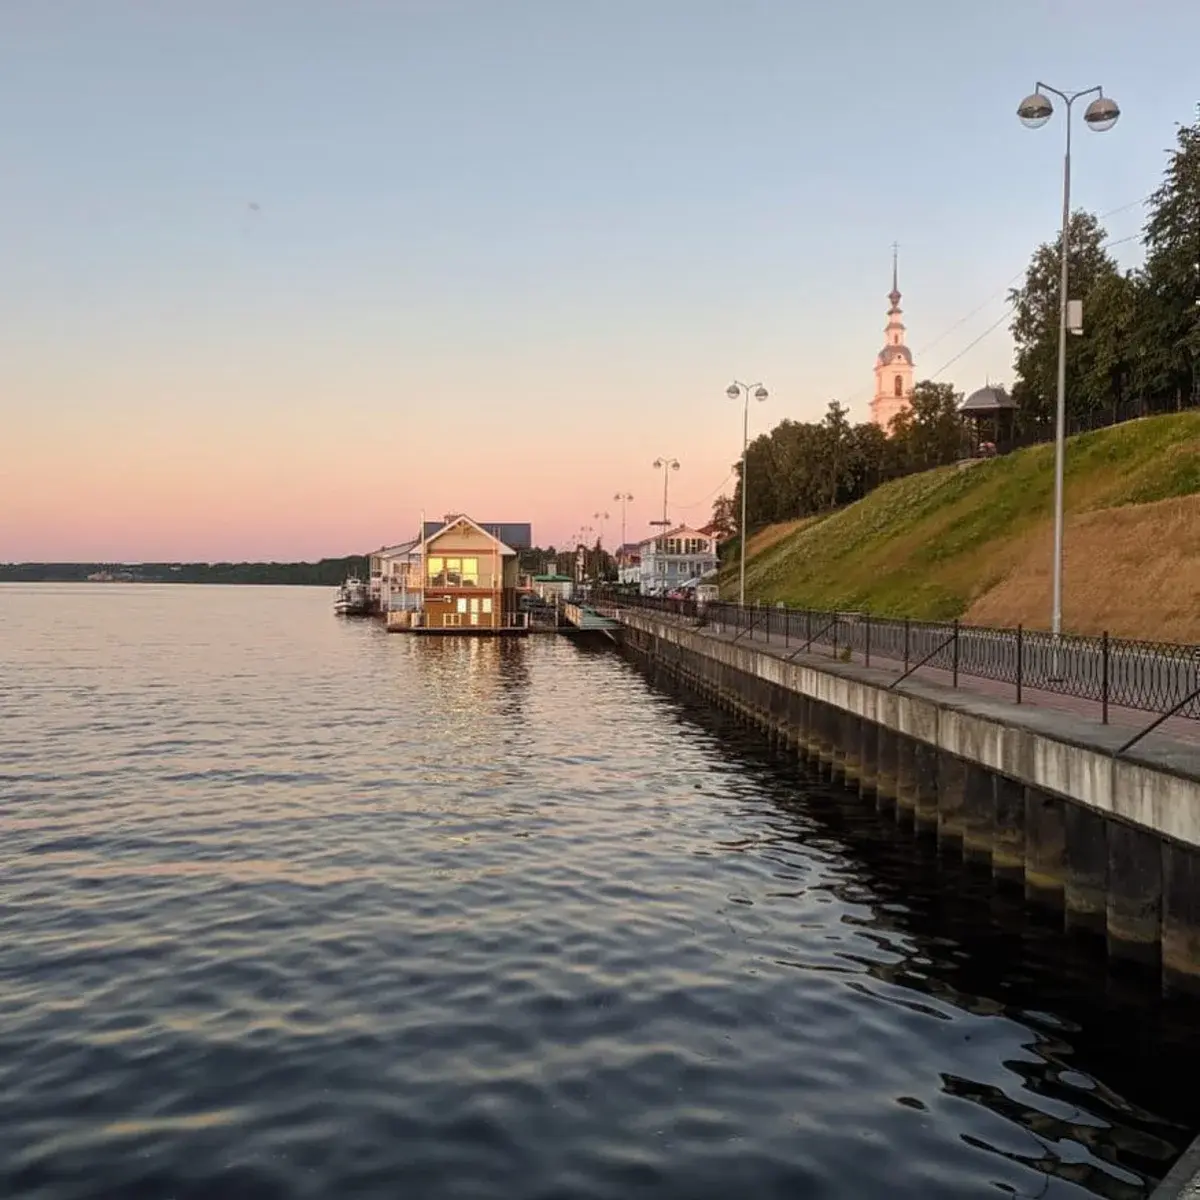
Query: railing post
[787,627]
[1020,660]
[906,630]
[955,652]
[867,643]
[1104,677]
[808,628]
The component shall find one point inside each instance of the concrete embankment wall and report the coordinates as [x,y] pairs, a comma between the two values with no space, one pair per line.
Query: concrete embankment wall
[1037,797]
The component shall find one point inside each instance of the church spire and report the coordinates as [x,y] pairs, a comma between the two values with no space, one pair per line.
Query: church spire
[894,294]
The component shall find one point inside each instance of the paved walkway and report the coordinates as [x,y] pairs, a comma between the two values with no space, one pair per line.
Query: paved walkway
[1178,729]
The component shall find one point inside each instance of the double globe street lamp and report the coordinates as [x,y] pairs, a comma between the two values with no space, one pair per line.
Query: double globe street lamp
[1101,114]
[733,391]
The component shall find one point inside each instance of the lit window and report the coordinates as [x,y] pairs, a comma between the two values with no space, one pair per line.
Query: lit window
[470,572]
[461,605]
[487,604]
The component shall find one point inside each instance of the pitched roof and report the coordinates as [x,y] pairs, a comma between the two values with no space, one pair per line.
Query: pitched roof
[441,527]
[515,535]
[396,550]
[674,532]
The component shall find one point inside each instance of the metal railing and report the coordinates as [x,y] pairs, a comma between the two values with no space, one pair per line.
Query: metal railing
[1153,677]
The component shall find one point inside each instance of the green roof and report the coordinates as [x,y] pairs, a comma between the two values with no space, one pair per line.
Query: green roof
[552,579]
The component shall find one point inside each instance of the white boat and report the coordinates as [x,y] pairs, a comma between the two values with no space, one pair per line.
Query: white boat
[352,598]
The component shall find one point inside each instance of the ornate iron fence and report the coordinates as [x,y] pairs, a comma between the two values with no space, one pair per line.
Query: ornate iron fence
[1153,677]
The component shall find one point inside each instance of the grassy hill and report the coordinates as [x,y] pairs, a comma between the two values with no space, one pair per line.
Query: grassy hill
[975,540]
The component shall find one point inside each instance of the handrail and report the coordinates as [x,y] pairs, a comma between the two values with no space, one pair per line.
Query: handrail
[921,662]
[1137,737]
[1113,673]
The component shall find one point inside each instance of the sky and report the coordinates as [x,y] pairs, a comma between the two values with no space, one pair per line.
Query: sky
[279,277]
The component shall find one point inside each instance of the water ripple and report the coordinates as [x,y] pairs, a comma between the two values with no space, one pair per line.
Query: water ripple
[292,908]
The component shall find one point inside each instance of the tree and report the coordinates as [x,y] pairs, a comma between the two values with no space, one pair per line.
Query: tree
[1035,325]
[836,466]
[724,518]
[1168,320]
[930,432]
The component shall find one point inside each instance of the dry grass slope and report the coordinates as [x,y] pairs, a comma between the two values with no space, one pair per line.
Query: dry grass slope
[974,541]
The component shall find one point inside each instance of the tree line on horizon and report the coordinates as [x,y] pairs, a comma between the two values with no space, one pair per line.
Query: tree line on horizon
[1138,353]
[328,572]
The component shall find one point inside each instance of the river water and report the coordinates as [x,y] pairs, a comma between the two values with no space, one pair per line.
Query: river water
[293,908]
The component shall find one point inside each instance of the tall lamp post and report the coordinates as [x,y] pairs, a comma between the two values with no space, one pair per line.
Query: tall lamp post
[733,391]
[1101,114]
[666,466]
[622,498]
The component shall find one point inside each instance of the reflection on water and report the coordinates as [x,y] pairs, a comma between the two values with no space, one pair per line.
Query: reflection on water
[295,908]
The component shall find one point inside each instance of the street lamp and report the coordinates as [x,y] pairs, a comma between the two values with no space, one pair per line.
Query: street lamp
[601,517]
[1101,114]
[622,498]
[666,466]
[733,391]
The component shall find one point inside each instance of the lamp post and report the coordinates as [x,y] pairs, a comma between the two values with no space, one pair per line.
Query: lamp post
[1101,114]
[622,498]
[733,391]
[666,466]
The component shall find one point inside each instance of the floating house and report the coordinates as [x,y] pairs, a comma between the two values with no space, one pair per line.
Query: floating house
[460,577]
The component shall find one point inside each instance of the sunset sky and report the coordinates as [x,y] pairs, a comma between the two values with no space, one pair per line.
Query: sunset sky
[506,252]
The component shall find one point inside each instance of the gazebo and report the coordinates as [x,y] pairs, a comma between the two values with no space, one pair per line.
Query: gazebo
[990,416]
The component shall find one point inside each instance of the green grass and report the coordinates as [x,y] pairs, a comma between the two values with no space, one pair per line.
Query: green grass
[928,545]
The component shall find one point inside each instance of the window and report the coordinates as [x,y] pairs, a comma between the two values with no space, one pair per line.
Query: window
[461,606]
[453,572]
[899,385]
[487,604]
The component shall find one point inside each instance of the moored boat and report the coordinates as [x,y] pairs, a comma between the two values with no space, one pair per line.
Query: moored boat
[352,598]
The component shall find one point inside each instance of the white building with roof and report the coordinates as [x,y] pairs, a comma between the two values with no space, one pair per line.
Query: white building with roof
[679,558]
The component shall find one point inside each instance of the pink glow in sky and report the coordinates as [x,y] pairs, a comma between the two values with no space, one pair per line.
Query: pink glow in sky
[278,277]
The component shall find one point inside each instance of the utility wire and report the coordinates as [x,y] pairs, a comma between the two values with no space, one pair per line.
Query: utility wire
[711,495]
[971,345]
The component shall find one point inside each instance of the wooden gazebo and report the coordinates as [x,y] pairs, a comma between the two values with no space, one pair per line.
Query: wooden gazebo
[989,416]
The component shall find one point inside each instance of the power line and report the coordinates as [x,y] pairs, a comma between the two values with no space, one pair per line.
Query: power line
[1112,212]
[711,495]
[971,346]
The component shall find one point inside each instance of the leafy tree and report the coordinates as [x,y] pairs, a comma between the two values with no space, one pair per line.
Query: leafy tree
[724,518]
[1035,325]
[930,433]
[1168,328]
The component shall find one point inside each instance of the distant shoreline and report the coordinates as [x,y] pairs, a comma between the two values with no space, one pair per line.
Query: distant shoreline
[328,572]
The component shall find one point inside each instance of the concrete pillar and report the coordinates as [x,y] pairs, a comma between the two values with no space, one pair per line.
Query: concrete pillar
[885,779]
[906,780]
[837,738]
[1181,918]
[1008,837]
[952,788]
[825,735]
[1135,888]
[795,707]
[868,759]
[1045,849]
[925,815]
[852,743]
[1087,871]
[979,814]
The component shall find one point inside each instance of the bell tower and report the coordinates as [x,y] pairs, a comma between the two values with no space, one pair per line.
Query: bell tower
[893,364]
